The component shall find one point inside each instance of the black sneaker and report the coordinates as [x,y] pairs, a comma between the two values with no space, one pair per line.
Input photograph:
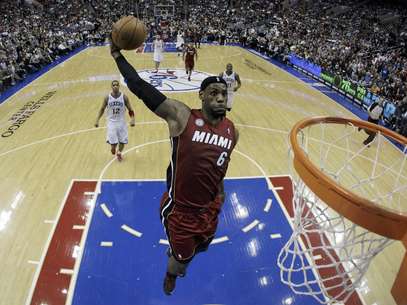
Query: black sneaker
[169,283]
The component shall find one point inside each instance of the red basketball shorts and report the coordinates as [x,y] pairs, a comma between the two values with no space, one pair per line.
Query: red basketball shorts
[189,64]
[188,229]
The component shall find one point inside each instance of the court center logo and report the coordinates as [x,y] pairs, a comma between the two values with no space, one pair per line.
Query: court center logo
[173,80]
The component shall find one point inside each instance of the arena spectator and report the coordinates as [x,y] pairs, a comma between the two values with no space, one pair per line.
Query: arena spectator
[348,38]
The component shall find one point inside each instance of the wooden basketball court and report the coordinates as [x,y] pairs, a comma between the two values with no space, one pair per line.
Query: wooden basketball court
[49,139]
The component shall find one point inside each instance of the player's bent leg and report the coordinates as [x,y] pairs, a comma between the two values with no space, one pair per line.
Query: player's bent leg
[202,247]
[182,244]
[229,102]
[370,138]
[119,156]
[169,283]
[113,149]
[122,135]
[119,152]
[112,138]
[174,269]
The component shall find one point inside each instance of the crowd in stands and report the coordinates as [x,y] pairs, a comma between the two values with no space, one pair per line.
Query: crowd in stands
[362,41]
[35,35]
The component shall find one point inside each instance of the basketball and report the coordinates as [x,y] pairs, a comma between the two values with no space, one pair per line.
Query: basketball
[129,33]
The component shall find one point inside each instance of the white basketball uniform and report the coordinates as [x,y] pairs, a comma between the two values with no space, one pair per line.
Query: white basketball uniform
[158,50]
[180,41]
[116,123]
[231,83]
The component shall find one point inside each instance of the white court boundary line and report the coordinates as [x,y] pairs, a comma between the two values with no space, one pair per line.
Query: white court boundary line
[47,244]
[170,55]
[98,185]
[72,282]
[163,122]
[37,78]
[69,134]
[85,233]
[94,199]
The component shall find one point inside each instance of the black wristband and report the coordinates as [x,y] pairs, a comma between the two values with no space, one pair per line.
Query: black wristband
[150,96]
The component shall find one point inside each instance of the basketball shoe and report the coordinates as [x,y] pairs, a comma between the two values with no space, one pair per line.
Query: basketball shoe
[169,283]
[119,156]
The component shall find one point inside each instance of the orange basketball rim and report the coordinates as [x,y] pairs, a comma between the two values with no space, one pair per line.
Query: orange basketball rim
[366,213]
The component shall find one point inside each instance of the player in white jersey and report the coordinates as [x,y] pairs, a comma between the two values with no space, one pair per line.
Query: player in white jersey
[180,42]
[158,47]
[116,103]
[231,79]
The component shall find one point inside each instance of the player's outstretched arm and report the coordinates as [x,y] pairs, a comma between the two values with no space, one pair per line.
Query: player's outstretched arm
[174,112]
[239,82]
[131,111]
[101,110]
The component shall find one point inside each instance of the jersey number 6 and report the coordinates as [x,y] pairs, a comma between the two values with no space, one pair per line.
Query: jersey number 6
[222,158]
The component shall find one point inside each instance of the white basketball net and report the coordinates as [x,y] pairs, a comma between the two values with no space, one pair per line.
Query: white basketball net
[327,255]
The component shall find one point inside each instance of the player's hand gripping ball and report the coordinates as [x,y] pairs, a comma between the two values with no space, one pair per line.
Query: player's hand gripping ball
[129,33]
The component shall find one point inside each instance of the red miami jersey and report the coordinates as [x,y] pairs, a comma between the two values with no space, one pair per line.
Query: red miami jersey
[199,160]
[189,54]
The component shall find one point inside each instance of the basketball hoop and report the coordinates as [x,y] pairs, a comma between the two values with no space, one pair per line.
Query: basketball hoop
[348,205]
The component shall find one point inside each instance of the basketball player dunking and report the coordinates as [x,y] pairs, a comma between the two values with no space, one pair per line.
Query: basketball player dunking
[189,55]
[116,103]
[231,79]
[202,141]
